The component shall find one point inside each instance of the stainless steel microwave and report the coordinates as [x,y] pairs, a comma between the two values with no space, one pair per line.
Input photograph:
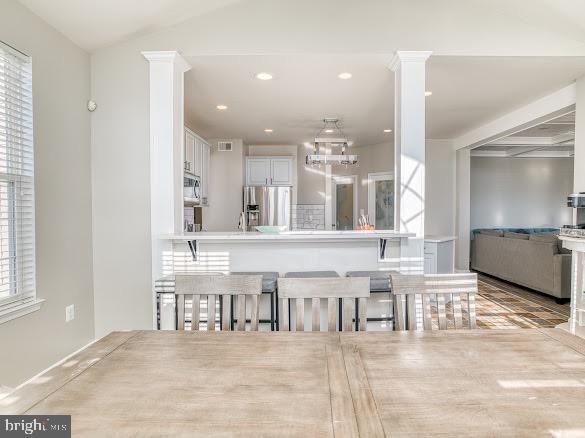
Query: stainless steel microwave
[191,189]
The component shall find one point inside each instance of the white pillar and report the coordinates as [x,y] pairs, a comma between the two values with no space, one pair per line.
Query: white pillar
[409,154]
[167,71]
[578,269]
[578,173]
[462,208]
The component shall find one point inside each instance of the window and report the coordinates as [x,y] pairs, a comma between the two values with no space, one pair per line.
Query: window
[381,199]
[17,240]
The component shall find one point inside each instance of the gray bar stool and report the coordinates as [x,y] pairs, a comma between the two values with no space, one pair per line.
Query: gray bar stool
[316,274]
[269,286]
[379,283]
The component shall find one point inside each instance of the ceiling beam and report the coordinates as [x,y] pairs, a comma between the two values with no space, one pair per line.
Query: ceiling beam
[545,109]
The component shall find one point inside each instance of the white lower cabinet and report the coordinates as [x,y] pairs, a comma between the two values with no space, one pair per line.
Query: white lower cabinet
[439,255]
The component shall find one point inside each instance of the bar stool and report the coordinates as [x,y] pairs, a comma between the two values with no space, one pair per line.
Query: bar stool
[269,286]
[379,283]
[316,274]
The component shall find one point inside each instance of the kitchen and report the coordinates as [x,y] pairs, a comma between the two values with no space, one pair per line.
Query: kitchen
[295,190]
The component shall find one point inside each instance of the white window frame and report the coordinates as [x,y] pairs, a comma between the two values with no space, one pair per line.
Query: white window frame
[372,178]
[23,299]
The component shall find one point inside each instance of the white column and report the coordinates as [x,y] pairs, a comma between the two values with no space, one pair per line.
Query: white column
[167,71]
[409,154]
[578,271]
[462,208]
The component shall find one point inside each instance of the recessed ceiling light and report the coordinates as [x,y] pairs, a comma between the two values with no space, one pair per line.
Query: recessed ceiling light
[428,93]
[221,107]
[329,131]
[263,76]
[387,130]
[344,75]
[268,130]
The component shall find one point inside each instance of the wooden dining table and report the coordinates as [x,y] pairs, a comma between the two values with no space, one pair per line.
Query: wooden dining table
[525,382]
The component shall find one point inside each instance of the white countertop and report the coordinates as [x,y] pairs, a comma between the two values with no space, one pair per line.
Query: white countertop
[439,239]
[289,235]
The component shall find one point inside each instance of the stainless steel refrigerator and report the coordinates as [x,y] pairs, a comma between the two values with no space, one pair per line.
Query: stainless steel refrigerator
[267,205]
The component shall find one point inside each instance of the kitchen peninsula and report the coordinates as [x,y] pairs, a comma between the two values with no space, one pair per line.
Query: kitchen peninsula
[288,251]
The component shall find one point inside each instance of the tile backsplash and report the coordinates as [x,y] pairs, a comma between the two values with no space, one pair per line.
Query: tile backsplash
[308,217]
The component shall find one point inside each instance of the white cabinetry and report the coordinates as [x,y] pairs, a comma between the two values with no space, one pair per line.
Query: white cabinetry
[439,254]
[275,171]
[189,151]
[257,171]
[197,158]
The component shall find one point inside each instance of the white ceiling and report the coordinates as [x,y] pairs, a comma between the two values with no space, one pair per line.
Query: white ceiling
[92,24]
[554,138]
[458,26]
[467,92]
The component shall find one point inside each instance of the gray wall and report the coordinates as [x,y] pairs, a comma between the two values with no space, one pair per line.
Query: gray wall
[63,199]
[520,192]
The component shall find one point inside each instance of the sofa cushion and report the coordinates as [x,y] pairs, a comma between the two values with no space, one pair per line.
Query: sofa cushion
[520,236]
[498,233]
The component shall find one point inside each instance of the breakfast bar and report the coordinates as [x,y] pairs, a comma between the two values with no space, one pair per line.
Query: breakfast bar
[340,251]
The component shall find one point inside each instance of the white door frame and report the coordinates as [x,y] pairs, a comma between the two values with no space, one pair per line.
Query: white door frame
[372,178]
[346,179]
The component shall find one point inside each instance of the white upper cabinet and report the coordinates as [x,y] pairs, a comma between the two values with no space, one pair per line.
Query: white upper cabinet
[281,171]
[197,161]
[188,165]
[257,171]
[266,171]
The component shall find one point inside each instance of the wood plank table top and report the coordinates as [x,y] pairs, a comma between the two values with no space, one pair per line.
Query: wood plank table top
[448,383]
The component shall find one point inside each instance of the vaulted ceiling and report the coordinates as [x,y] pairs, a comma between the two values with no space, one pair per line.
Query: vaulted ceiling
[466,27]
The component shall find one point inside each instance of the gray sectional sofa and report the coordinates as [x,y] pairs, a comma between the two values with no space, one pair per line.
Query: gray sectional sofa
[534,260]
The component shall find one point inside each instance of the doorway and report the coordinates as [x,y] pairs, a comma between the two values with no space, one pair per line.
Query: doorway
[381,200]
[345,202]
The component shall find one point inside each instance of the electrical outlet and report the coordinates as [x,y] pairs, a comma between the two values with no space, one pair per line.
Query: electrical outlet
[70,313]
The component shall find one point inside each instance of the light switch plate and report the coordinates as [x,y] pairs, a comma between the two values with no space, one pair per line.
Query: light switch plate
[70,313]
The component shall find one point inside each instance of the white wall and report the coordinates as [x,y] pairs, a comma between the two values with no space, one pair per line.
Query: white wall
[63,199]
[520,192]
[121,192]
[440,188]
[226,181]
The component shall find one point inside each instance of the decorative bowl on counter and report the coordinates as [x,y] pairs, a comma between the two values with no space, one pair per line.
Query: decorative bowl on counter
[268,229]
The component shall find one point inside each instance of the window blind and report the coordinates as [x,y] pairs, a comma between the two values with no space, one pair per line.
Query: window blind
[17,240]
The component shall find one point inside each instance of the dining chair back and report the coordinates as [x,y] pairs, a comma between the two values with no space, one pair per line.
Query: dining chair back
[350,290]
[440,293]
[227,287]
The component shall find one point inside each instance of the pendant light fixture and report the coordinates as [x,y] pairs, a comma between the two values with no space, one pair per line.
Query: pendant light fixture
[331,135]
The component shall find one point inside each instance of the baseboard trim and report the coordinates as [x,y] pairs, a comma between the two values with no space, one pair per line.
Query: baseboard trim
[56,364]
